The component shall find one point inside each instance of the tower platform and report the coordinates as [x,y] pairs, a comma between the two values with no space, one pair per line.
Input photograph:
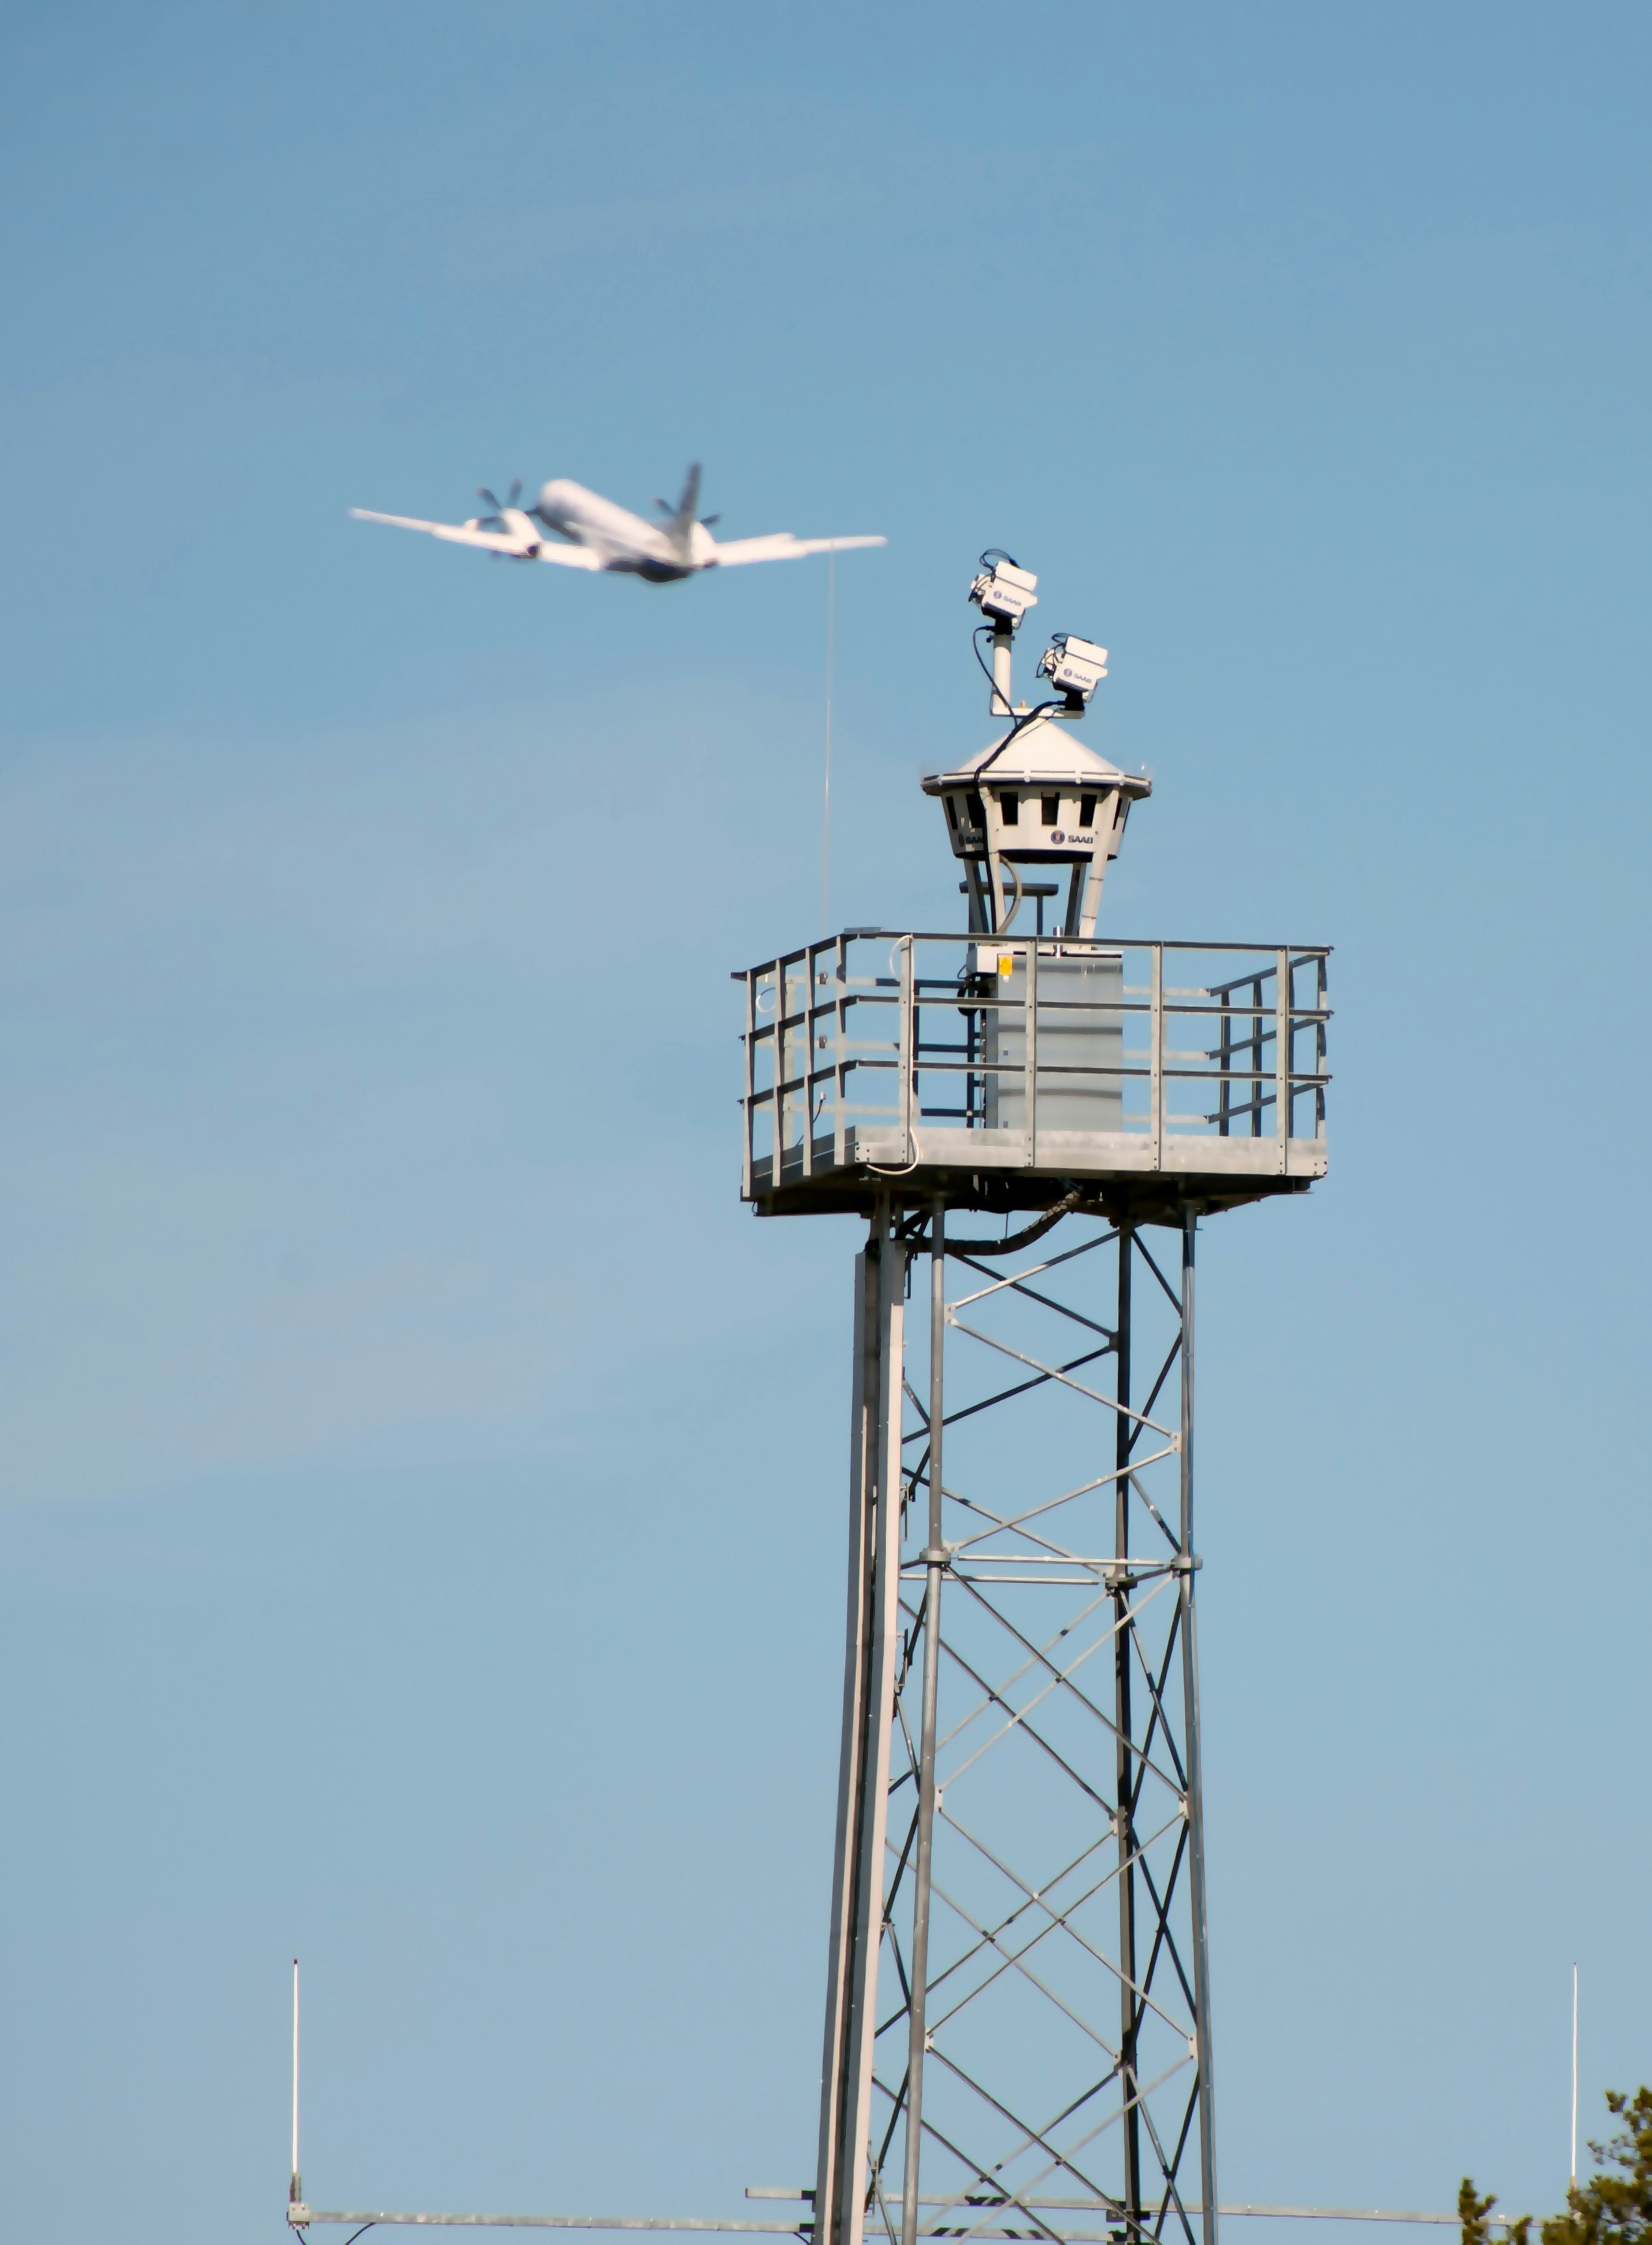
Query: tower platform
[999,1072]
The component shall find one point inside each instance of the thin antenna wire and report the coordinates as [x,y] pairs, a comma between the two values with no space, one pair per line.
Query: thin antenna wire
[826,795]
[296,2194]
[1574,2184]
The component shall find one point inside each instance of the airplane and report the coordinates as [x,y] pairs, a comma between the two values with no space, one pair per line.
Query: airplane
[600,535]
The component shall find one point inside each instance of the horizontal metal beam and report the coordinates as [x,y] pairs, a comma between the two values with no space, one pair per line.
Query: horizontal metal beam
[1077,2205]
[1299,951]
[1343,2213]
[300,2217]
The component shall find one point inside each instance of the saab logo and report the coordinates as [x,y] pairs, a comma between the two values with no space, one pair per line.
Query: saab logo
[1058,836]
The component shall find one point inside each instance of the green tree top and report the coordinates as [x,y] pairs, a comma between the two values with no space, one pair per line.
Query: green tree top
[1613,2207]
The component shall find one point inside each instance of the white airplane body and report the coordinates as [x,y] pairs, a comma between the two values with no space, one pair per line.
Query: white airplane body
[600,535]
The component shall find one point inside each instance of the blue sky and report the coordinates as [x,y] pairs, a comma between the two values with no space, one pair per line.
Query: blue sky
[423,1483]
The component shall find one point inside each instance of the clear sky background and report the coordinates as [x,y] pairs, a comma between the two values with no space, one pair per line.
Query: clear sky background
[423,1482]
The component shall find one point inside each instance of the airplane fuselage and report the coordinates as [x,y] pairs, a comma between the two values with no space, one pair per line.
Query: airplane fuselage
[625,540]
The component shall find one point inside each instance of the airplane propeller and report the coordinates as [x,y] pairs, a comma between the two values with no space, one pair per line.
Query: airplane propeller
[482,491]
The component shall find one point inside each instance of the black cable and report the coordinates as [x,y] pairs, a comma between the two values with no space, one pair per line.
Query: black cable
[1020,726]
[975,641]
[1024,1238]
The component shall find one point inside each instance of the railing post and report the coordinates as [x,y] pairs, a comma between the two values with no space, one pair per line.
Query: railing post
[907,1046]
[1030,1054]
[808,1061]
[1155,1058]
[1224,1062]
[751,1082]
[780,1063]
[840,1037]
[1281,1058]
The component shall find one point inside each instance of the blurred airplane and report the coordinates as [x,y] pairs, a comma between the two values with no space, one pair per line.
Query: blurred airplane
[603,536]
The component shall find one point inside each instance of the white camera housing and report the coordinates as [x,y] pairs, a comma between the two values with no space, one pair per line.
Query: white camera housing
[1077,666]
[1004,593]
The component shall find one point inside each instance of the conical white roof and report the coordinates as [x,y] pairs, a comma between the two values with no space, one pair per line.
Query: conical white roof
[1046,752]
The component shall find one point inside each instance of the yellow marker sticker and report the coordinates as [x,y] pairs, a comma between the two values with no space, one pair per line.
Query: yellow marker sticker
[1007,965]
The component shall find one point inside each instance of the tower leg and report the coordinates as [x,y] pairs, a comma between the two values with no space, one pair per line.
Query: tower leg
[934,1561]
[1125,1763]
[868,1686]
[1201,1944]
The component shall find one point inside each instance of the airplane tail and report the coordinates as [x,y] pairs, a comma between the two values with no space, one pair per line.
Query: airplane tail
[682,522]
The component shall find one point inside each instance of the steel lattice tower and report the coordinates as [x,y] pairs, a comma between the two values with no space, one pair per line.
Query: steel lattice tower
[1017,2039]
[1018,1950]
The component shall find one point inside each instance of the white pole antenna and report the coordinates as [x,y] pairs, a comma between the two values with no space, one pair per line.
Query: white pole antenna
[826,795]
[296,2192]
[1573,2183]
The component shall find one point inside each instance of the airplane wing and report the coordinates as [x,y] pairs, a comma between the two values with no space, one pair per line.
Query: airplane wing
[571,557]
[783,546]
[491,541]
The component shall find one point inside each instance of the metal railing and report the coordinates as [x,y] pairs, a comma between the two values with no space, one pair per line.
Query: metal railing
[884,1047]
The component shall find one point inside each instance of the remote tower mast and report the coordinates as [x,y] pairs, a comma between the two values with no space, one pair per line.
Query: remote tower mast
[1031,1121]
